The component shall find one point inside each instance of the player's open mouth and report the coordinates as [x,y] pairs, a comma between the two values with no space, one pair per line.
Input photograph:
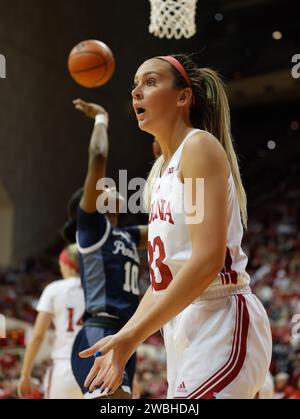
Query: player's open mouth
[140,111]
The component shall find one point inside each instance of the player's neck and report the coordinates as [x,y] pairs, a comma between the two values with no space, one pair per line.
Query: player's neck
[171,139]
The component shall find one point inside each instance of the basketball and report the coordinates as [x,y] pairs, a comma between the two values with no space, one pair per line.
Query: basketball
[91,63]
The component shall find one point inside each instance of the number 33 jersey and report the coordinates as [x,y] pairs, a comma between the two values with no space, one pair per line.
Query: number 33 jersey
[169,244]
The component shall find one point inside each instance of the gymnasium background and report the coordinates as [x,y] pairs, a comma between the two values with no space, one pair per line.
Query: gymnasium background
[43,152]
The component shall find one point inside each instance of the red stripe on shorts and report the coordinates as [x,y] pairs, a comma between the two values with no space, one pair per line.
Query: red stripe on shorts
[49,382]
[226,374]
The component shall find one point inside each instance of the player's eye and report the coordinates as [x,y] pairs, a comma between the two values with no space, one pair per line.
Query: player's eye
[151,82]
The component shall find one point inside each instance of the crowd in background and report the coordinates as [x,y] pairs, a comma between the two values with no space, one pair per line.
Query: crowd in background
[272,243]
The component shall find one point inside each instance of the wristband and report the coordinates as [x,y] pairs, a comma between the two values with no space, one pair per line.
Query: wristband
[101,119]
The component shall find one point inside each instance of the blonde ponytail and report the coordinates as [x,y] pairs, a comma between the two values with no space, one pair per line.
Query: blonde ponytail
[216,120]
[153,175]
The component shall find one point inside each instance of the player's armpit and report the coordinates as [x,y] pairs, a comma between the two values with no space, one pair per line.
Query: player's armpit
[143,243]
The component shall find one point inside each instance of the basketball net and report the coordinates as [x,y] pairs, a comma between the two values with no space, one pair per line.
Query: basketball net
[173,18]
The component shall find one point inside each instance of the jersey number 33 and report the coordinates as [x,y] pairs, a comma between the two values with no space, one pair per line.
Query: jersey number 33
[157,255]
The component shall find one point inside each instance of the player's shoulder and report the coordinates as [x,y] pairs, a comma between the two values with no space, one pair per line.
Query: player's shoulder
[71,282]
[55,285]
[204,149]
[204,141]
[52,289]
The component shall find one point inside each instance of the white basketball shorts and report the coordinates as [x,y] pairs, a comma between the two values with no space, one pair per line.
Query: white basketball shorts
[218,348]
[59,382]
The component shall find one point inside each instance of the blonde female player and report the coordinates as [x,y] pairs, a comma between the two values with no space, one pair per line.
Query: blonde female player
[216,332]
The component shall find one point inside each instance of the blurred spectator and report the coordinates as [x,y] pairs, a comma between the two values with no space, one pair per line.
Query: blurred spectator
[282,388]
[296,393]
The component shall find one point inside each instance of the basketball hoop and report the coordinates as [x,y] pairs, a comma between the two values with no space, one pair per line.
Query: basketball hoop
[173,18]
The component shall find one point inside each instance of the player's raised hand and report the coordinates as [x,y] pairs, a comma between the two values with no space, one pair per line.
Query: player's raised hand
[111,355]
[91,110]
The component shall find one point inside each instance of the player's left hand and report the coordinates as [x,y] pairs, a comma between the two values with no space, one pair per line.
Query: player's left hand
[108,369]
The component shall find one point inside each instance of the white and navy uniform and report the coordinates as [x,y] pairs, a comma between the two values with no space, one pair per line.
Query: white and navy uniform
[109,266]
[220,345]
[65,301]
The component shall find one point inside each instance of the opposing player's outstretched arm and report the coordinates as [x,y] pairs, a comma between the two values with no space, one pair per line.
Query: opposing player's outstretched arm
[98,153]
[41,326]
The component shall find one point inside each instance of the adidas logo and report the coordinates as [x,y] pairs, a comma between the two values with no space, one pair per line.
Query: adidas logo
[171,170]
[181,388]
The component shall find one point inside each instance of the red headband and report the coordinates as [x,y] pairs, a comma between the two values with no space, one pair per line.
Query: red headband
[179,67]
[66,260]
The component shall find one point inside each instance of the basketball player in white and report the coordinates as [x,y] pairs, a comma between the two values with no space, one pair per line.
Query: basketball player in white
[216,332]
[62,303]
[267,390]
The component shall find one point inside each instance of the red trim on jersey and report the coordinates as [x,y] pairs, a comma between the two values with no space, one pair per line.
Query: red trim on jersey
[226,374]
[228,275]
[223,278]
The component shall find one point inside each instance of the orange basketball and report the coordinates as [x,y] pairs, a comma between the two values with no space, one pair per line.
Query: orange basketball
[91,63]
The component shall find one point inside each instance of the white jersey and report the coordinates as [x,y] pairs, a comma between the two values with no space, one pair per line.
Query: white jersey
[170,246]
[63,299]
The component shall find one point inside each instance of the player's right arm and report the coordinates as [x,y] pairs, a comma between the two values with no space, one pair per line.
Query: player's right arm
[41,326]
[98,153]
[146,302]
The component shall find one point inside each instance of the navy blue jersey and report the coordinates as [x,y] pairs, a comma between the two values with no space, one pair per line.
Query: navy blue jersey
[109,265]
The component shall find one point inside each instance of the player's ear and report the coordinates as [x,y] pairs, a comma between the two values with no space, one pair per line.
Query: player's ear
[185,97]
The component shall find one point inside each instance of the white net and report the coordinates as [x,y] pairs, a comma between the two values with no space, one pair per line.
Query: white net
[173,18]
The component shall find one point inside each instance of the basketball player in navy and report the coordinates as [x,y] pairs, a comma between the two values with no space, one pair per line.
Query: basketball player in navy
[109,260]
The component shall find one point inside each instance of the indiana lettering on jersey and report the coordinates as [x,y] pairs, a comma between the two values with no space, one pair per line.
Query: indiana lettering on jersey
[161,209]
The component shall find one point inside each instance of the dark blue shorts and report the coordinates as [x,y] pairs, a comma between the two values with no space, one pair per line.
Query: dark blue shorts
[86,338]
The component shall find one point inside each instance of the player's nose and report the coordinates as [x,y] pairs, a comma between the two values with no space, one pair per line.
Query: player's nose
[136,93]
